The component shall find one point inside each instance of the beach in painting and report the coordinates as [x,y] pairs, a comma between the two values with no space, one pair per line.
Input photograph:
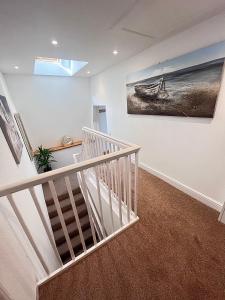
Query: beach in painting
[190,92]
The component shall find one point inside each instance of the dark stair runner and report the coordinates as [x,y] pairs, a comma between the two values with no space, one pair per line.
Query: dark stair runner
[69,220]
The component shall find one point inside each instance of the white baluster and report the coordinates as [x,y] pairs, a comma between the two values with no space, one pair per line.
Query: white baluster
[136,184]
[98,146]
[112,173]
[85,146]
[104,165]
[119,190]
[73,204]
[111,176]
[84,187]
[88,146]
[124,180]
[91,146]
[27,233]
[100,154]
[41,215]
[115,174]
[94,145]
[109,194]
[128,162]
[99,200]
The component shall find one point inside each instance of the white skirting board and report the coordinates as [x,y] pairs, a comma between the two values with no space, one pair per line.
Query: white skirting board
[184,188]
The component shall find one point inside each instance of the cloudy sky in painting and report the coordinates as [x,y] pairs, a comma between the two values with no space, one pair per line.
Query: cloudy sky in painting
[194,58]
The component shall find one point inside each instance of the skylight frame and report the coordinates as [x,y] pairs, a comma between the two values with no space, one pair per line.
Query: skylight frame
[50,66]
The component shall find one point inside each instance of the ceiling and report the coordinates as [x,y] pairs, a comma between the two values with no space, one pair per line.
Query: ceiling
[90,30]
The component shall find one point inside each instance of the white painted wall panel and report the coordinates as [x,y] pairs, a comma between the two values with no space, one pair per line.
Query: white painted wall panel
[17,274]
[186,150]
[51,106]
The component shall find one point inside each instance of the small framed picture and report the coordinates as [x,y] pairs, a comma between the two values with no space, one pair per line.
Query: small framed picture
[8,127]
[24,135]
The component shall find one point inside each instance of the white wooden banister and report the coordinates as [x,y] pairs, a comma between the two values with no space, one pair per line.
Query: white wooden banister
[107,172]
[27,232]
[74,168]
[109,138]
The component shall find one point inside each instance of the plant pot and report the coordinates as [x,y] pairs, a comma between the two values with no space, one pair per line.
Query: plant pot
[47,168]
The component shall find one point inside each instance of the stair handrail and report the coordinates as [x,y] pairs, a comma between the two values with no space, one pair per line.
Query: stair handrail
[109,137]
[51,175]
[118,157]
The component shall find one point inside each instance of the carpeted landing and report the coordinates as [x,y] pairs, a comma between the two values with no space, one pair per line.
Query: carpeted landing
[175,251]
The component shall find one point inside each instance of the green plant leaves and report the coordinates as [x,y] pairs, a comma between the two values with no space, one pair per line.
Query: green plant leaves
[44,157]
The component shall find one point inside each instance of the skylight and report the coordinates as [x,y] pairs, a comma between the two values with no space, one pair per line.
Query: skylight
[57,66]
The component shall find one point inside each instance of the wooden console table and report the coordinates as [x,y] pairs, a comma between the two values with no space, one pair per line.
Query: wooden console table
[60,147]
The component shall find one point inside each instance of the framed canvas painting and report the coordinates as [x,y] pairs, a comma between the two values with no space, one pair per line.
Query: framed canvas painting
[24,135]
[9,130]
[186,86]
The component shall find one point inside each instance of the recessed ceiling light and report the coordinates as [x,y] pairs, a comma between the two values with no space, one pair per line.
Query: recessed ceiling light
[54,42]
[16,67]
[115,52]
[88,72]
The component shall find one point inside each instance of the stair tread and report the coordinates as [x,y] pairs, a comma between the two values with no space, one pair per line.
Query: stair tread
[60,185]
[63,248]
[65,205]
[66,257]
[72,230]
[50,201]
[68,217]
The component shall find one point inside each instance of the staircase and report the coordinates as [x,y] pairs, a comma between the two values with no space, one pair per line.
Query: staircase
[69,220]
[107,172]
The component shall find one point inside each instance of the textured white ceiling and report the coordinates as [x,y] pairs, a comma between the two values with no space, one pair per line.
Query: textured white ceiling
[90,30]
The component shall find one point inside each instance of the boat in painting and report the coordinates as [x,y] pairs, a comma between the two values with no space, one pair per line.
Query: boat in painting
[152,91]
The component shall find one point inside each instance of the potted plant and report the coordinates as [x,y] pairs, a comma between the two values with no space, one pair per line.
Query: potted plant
[44,158]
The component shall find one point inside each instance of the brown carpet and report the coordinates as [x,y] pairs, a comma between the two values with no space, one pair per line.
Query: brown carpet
[175,251]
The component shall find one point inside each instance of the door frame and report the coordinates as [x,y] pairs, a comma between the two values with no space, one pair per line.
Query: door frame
[92,116]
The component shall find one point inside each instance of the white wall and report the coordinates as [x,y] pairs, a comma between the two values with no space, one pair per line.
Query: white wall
[65,157]
[51,107]
[187,152]
[17,274]
[99,119]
